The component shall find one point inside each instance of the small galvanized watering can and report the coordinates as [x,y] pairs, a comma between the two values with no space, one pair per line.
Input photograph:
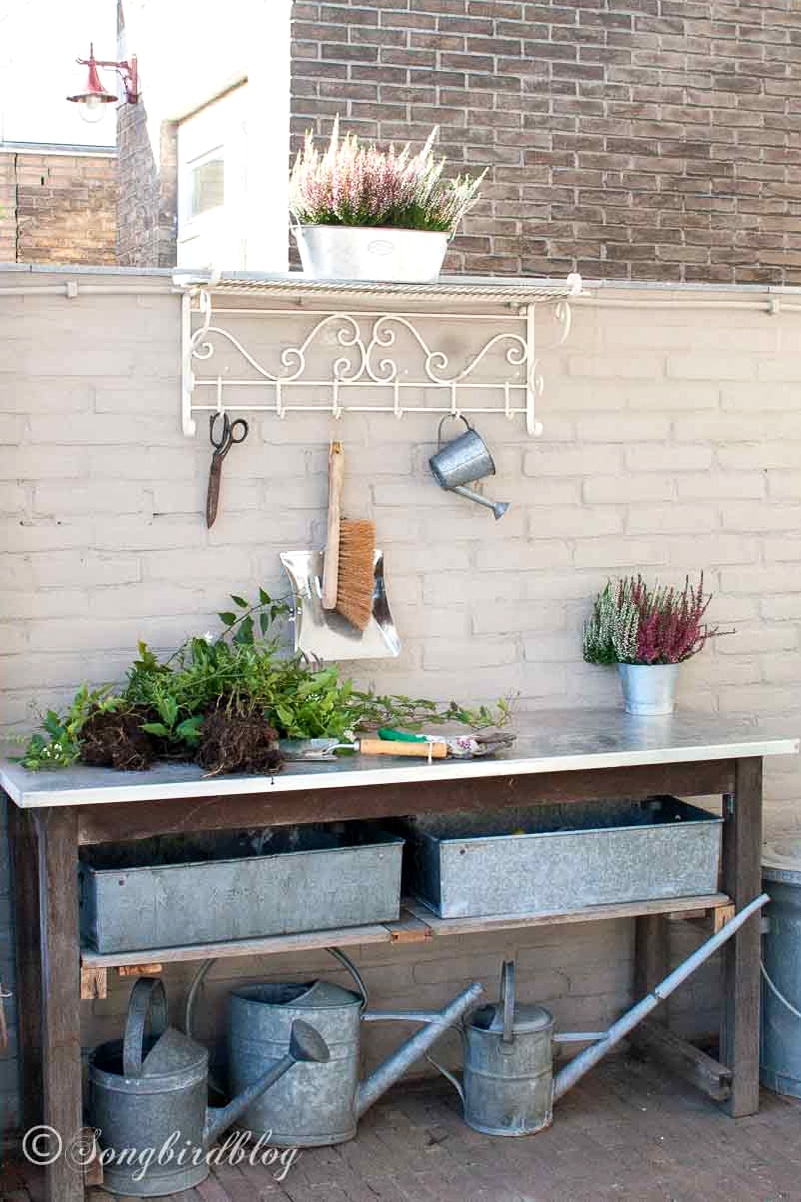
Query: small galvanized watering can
[321,1103]
[508,1065]
[148,1098]
[509,1087]
[463,461]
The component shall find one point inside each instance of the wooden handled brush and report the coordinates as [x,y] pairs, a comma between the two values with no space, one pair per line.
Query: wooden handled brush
[349,564]
[336,479]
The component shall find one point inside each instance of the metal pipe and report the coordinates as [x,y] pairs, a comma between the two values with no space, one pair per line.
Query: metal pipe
[71,289]
[389,1072]
[582,1063]
[432,1017]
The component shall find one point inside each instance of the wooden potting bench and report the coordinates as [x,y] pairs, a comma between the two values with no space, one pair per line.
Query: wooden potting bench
[567,756]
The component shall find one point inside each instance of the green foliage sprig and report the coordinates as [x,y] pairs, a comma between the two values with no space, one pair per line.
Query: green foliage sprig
[59,746]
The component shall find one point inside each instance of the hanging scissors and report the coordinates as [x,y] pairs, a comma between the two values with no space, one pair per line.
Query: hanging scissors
[222,441]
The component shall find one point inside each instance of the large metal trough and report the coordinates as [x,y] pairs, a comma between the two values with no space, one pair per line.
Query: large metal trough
[561,857]
[209,889]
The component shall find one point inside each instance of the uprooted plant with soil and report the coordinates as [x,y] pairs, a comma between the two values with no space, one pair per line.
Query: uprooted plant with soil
[225,701]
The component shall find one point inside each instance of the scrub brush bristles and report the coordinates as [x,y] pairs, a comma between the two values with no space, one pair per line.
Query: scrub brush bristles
[356,575]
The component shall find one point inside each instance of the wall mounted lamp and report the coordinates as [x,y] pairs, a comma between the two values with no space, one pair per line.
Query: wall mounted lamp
[94,95]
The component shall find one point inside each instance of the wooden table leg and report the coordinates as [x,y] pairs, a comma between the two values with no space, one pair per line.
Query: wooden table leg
[57,831]
[24,867]
[742,853]
[651,956]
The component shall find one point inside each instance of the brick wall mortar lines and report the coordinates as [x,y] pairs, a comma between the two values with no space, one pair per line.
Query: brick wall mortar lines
[626,145]
[59,209]
[101,515]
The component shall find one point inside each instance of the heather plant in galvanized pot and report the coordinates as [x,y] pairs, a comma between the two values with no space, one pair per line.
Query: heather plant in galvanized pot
[647,631]
[362,213]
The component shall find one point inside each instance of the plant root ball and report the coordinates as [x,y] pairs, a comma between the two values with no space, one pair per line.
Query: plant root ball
[111,740]
[238,743]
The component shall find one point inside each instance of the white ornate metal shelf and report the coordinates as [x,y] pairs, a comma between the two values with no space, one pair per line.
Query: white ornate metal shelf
[422,349]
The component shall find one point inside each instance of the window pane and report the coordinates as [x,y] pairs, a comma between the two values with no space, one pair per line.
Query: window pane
[208,189]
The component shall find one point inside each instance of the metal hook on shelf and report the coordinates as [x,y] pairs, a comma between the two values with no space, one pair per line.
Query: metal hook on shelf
[280,408]
[336,408]
[397,408]
[455,411]
[507,401]
[220,406]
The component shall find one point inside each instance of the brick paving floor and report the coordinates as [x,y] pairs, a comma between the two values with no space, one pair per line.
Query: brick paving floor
[624,1134]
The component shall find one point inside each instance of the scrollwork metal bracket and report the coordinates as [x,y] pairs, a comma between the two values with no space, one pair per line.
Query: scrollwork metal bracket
[342,351]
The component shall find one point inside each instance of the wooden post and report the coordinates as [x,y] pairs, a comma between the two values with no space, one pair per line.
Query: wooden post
[651,957]
[22,840]
[57,831]
[742,851]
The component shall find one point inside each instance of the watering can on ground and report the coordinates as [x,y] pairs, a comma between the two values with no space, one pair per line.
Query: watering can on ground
[148,1097]
[508,1085]
[321,1104]
[463,461]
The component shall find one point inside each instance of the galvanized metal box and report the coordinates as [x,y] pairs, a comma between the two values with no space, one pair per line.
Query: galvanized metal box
[209,889]
[561,857]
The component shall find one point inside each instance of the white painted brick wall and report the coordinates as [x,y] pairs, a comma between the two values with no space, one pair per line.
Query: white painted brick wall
[672,443]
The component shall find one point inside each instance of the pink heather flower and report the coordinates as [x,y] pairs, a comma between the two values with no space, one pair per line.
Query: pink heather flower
[349,184]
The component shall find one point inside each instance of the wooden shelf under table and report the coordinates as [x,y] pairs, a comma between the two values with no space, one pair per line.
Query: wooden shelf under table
[416,924]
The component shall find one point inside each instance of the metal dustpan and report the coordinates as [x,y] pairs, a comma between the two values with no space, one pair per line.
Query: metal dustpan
[324,634]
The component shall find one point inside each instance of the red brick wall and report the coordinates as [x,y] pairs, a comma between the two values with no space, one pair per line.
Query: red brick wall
[643,139]
[57,208]
[147,216]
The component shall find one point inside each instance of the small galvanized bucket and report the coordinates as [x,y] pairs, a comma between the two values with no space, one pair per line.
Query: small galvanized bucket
[649,690]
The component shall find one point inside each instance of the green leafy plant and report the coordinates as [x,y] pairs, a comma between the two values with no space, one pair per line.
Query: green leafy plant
[352,184]
[240,673]
[59,745]
[636,623]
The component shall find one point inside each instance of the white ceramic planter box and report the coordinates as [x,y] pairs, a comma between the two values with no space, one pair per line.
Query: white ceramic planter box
[352,252]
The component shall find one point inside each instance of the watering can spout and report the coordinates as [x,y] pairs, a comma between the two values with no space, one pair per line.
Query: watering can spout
[305,1044]
[396,1065]
[498,508]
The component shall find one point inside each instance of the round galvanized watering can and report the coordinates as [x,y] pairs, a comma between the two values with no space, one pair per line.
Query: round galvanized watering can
[148,1098]
[463,461]
[320,1103]
[508,1065]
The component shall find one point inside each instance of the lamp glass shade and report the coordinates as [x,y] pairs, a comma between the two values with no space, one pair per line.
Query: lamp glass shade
[91,108]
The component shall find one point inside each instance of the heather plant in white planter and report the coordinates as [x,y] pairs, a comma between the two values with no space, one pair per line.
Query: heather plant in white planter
[647,631]
[361,213]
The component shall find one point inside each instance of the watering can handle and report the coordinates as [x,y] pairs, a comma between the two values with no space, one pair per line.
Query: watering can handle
[458,417]
[148,1000]
[508,999]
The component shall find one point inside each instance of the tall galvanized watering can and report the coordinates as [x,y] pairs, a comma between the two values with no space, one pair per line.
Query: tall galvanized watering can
[148,1097]
[321,1103]
[508,1065]
[463,461]
[509,1086]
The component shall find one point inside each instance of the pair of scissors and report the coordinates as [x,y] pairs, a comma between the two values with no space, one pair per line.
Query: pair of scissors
[222,441]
